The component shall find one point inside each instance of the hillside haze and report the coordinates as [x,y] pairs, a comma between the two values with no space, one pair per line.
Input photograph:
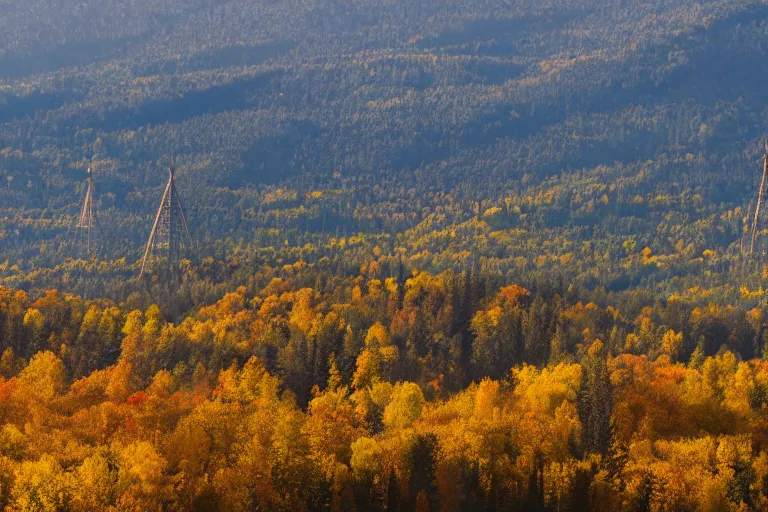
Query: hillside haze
[320,119]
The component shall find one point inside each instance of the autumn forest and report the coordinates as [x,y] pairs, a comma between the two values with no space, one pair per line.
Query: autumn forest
[482,256]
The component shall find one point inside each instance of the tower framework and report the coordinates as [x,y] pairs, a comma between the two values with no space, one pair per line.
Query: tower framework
[88,235]
[758,244]
[170,231]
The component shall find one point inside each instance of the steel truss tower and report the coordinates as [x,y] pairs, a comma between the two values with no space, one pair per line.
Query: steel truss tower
[758,244]
[170,231]
[87,229]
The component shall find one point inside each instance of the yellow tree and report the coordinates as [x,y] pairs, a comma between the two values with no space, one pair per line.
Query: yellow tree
[45,376]
[406,403]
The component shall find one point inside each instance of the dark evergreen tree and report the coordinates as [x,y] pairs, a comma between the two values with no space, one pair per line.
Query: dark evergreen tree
[595,401]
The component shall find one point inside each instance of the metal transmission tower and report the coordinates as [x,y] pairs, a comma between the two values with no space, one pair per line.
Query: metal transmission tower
[87,229]
[170,230]
[758,245]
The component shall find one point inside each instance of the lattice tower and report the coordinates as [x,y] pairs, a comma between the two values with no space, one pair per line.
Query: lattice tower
[170,232]
[89,237]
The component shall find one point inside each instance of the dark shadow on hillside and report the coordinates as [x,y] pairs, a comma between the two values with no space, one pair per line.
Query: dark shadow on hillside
[240,55]
[235,96]
[18,107]
[277,157]
[497,72]
[16,65]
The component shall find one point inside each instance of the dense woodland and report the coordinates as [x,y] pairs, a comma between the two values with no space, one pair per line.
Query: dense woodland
[375,392]
[483,256]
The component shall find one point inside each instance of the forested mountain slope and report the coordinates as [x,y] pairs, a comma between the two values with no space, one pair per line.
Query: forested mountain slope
[515,130]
